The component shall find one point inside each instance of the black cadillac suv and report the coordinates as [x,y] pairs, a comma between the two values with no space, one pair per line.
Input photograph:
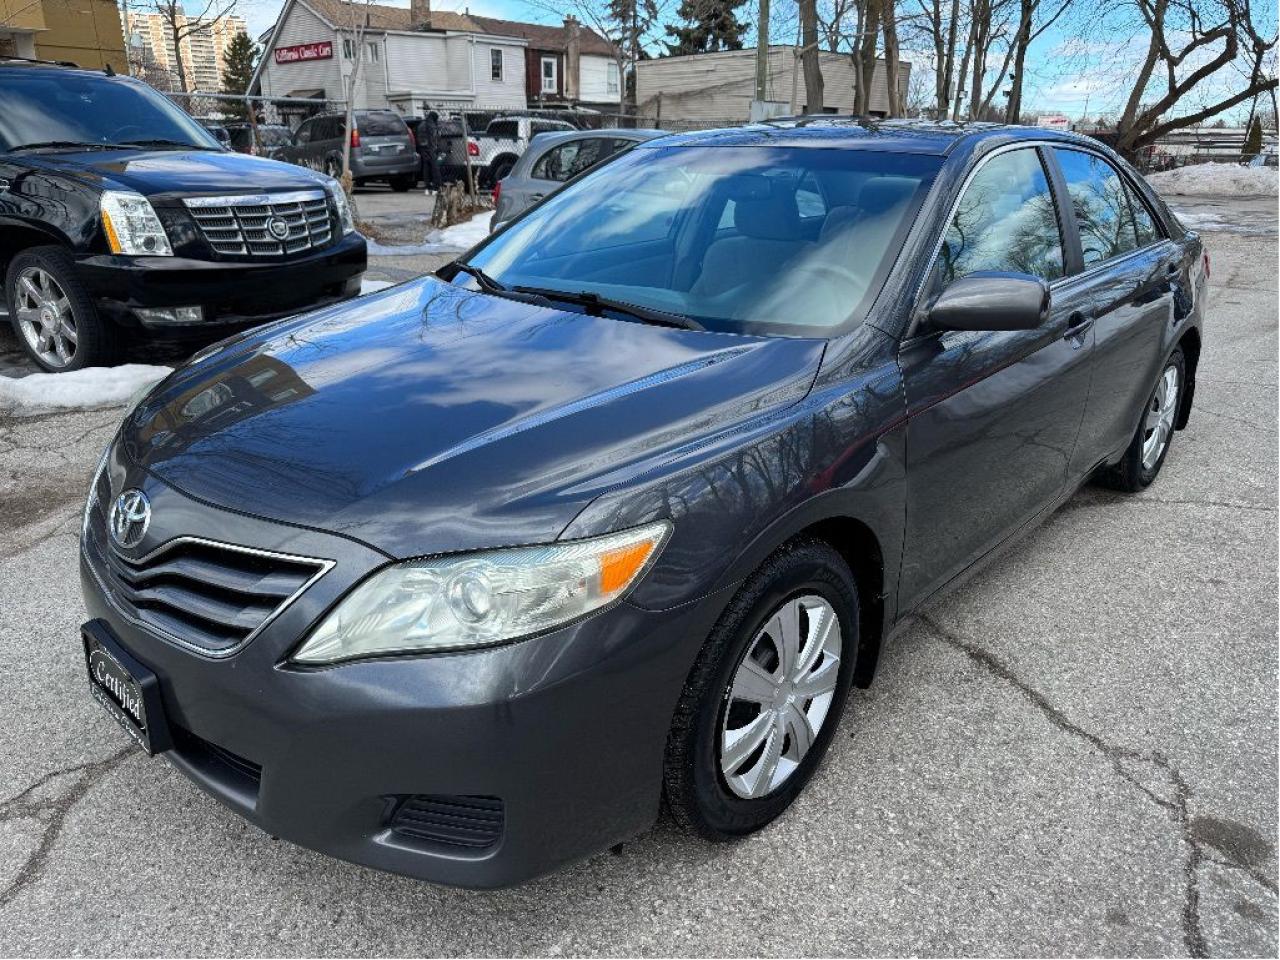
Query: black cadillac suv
[117,210]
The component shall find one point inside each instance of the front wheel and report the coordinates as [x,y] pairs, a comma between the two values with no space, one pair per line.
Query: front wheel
[52,313]
[1147,451]
[763,700]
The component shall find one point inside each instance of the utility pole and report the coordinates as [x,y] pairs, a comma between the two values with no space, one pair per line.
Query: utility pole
[762,52]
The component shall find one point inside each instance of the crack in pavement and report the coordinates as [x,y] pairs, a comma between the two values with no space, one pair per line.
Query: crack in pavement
[1192,931]
[52,813]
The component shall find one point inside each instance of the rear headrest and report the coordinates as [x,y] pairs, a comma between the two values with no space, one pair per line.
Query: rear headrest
[880,194]
[770,217]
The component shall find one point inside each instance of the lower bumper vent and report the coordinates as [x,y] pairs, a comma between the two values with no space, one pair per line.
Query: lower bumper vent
[471,822]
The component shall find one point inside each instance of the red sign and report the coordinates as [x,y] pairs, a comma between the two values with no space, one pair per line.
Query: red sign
[320,50]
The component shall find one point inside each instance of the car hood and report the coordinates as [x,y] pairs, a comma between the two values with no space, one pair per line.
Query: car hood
[154,173]
[430,418]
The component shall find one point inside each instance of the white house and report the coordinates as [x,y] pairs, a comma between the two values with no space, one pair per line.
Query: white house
[414,58]
[439,56]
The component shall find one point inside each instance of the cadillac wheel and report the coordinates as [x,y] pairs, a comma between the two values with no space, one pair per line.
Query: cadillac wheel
[52,315]
[760,707]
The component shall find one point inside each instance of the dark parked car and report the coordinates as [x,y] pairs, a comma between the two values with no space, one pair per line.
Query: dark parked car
[118,210]
[382,147]
[553,159]
[217,129]
[458,582]
[272,139]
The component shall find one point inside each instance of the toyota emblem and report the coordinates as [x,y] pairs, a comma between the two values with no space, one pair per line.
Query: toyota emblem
[279,229]
[130,516]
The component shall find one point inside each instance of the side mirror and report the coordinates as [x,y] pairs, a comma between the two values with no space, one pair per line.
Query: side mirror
[990,300]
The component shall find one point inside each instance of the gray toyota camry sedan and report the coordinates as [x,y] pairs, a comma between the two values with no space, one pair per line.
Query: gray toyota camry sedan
[465,578]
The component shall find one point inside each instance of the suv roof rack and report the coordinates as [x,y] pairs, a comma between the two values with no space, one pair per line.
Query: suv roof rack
[4,58]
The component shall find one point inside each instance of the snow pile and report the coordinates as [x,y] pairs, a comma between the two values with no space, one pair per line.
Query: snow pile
[1216,180]
[92,388]
[455,239]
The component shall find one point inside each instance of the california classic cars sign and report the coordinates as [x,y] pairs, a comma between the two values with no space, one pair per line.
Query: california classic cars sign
[320,50]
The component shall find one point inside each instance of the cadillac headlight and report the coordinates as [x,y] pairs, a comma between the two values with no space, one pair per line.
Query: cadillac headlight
[131,225]
[482,598]
[339,198]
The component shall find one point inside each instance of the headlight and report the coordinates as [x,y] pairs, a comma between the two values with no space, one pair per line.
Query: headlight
[340,202]
[93,490]
[132,226]
[477,599]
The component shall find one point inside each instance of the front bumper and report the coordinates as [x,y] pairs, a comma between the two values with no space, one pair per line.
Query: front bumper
[232,293]
[566,730]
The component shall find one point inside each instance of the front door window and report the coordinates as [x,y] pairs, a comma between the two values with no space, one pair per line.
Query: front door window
[550,78]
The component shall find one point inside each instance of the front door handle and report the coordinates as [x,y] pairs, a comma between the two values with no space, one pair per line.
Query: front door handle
[1078,325]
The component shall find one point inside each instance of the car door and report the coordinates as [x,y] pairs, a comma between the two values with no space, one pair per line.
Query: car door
[1129,272]
[992,415]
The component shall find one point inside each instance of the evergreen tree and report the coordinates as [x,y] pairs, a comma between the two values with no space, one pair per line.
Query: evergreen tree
[709,25]
[242,57]
[1253,140]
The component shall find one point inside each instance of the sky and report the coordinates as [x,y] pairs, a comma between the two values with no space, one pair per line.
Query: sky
[1078,67]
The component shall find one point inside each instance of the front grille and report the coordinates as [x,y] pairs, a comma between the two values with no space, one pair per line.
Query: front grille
[472,822]
[242,226]
[210,596]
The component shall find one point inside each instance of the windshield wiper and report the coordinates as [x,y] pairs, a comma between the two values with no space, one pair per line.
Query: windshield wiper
[161,142]
[597,305]
[487,283]
[64,144]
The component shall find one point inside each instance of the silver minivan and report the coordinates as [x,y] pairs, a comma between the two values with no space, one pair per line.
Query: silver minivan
[382,147]
[553,158]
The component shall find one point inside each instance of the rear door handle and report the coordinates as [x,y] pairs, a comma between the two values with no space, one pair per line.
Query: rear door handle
[1078,325]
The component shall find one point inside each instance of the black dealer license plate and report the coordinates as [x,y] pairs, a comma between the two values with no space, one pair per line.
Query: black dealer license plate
[125,688]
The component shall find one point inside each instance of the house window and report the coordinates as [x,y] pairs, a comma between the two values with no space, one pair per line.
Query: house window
[549,75]
[611,78]
[348,49]
[495,65]
[373,53]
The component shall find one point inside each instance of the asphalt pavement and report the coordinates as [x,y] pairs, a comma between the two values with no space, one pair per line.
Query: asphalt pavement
[1076,754]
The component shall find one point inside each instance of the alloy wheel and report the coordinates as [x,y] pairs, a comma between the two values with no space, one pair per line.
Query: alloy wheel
[1158,426]
[45,317]
[780,695]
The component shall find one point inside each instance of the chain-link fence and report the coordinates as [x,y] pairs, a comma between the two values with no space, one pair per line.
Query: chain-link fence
[259,125]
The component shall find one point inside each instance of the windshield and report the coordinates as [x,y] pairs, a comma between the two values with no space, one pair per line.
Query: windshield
[772,240]
[50,106]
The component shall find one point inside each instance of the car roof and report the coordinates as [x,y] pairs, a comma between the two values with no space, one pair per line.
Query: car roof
[864,133]
[551,138]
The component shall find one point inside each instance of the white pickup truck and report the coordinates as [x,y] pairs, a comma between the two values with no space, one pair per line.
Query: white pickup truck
[495,151]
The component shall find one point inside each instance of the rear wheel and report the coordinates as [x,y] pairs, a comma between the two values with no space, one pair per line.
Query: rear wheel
[404,183]
[1147,451]
[52,314]
[764,698]
[501,169]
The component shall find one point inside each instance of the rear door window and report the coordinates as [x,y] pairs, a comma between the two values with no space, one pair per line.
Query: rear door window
[505,129]
[1101,205]
[1006,220]
[1143,222]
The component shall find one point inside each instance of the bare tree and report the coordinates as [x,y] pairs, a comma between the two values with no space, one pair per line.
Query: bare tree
[356,26]
[1193,46]
[179,26]
[809,57]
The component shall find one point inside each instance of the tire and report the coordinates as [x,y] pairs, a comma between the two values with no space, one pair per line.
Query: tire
[333,168]
[403,184]
[702,797]
[500,170]
[81,337]
[1136,470]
